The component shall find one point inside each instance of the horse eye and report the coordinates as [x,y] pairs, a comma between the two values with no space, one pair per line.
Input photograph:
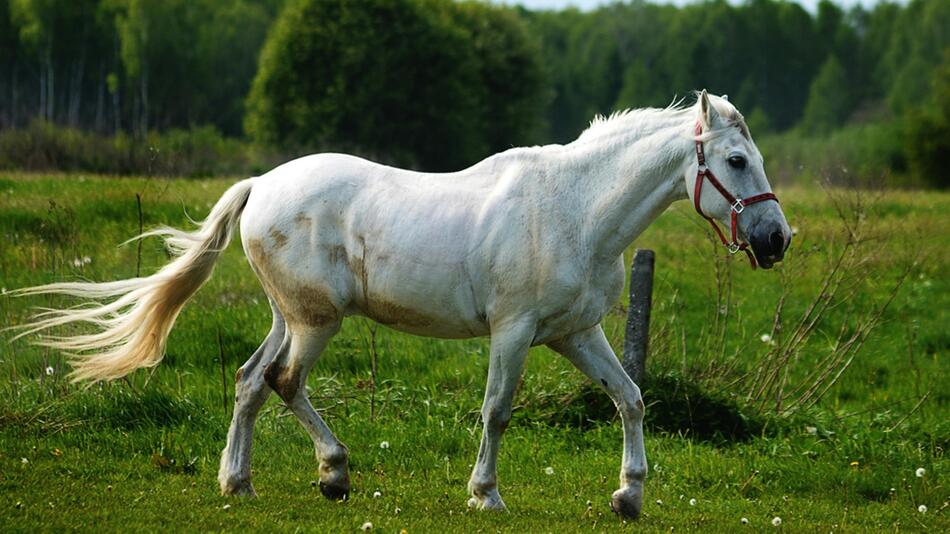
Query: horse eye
[737,162]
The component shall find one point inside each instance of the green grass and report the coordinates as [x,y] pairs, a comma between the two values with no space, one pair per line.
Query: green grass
[143,453]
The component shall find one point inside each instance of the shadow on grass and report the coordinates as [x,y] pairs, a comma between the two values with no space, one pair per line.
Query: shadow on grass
[674,405]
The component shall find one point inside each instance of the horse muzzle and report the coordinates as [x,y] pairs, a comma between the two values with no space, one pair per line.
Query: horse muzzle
[769,244]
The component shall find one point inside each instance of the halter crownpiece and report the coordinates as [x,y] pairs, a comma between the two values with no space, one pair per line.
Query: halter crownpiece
[736,205]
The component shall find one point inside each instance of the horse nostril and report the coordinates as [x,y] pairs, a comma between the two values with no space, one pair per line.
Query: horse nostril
[777,243]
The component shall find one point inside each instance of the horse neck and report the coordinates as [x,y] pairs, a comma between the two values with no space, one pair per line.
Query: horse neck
[631,180]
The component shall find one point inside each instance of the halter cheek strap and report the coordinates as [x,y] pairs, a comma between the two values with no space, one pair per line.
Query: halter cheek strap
[737,205]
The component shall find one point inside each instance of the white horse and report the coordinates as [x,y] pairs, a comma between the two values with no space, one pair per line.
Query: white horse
[525,246]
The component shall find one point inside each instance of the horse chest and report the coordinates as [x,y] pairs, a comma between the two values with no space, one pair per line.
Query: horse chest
[582,304]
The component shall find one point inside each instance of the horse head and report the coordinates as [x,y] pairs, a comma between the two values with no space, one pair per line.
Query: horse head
[726,182]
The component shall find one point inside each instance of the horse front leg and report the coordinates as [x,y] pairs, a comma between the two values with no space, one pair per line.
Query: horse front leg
[590,352]
[509,348]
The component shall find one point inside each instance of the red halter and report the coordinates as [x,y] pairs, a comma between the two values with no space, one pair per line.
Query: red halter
[737,205]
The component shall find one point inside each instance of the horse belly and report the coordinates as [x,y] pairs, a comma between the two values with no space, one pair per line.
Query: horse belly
[418,298]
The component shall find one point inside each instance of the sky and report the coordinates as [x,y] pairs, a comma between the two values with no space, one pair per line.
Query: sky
[810,5]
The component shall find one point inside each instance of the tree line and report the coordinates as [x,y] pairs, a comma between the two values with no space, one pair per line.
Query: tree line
[437,84]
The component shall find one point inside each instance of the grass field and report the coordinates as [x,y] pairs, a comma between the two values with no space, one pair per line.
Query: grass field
[826,431]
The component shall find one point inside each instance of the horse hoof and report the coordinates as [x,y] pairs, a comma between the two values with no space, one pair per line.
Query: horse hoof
[627,502]
[241,488]
[489,502]
[336,490]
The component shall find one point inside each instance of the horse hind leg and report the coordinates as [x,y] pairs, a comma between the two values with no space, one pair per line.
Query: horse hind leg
[287,375]
[250,393]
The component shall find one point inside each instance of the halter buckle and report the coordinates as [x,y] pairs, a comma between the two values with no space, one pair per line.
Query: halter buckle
[738,206]
[733,247]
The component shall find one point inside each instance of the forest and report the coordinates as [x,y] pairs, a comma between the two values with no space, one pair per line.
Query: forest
[199,87]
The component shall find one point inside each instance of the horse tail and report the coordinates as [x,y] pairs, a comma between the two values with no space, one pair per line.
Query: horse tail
[132,328]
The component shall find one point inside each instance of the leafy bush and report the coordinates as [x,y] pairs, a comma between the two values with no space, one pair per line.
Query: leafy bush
[413,83]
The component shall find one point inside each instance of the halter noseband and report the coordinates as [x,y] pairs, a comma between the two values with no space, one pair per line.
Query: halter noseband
[737,205]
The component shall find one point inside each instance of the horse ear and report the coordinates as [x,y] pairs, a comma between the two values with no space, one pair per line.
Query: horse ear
[707,112]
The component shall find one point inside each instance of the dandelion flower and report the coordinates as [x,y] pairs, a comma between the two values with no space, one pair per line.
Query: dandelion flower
[922,508]
[920,472]
[367,526]
[549,470]
[744,521]
[383,445]
[377,494]
[50,371]
[776,521]
[855,463]
[692,502]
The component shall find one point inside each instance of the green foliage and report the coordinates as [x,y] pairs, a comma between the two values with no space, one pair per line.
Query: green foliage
[859,155]
[421,84]
[927,142]
[829,101]
[437,84]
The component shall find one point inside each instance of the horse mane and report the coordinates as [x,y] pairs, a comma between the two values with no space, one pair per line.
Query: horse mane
[632,121]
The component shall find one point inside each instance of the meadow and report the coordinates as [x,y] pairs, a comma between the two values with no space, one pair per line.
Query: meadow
[816,393]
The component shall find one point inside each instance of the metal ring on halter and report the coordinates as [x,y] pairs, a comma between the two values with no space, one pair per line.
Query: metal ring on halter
[733,247]
[738,206]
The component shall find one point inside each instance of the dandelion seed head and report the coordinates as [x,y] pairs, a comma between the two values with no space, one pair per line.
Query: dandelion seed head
[692,502]
[920,472]
[226,507]
[765,338]
[776,521]
[24,461]
[922,508]
[383,445]
[659,502]
[744,521]
[377,494]
[549,470]
[367,526]
[50,371]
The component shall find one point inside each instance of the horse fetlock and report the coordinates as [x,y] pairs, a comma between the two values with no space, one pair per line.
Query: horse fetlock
[628,501]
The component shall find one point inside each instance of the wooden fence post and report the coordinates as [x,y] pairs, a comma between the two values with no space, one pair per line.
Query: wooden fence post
[637,334]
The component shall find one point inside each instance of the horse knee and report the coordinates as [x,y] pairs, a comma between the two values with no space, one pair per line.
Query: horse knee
[497,417]
[631,405]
